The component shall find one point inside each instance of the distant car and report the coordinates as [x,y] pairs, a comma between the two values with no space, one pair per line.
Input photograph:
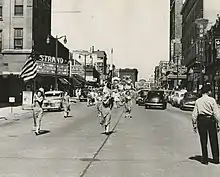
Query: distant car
[155,98]
[141,95]
[189,100]
[179,95]
[84,95]
[53,100]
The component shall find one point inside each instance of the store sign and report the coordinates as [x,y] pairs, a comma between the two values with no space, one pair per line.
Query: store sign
[50,68]
[50,59]
[78,69]
[217,47]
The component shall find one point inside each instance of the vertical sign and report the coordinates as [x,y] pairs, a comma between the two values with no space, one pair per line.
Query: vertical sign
[217,47]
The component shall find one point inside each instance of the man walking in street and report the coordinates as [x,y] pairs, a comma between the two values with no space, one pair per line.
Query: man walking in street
[205,118]
[38,110]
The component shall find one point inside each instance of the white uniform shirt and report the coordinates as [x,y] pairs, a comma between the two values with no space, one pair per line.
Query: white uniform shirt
[205,105]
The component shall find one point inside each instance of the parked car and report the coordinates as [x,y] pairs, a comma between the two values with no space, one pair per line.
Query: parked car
[155,98]
[53,100]
[179,95]
[141,95]
[189,100]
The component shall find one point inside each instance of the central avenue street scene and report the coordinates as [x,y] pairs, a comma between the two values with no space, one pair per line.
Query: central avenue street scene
[114,88]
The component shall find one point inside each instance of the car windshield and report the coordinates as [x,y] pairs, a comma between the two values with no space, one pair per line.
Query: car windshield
[155,94]
[53,95]
[191,95]
[143,92]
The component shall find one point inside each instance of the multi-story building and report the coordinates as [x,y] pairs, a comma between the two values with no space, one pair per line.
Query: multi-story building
[157,76]
[175,31]
[24,28]
[88,60]
[129,73]
[193,10]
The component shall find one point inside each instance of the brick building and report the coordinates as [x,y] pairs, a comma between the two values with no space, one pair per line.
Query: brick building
[129,73]
[175,31]
[191,11]
[24,28]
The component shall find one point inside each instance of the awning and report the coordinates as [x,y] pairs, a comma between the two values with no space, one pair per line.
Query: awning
[64,81]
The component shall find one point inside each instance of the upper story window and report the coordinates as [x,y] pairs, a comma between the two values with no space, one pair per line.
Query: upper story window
[18,38]
[19,7]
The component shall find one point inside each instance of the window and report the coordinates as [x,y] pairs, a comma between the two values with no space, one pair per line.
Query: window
[0,40]
[19,8]
[18,38]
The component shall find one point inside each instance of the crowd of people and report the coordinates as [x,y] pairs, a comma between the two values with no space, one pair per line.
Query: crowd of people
[105,98]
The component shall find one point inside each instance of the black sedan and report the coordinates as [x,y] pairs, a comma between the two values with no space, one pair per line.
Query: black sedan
[141,95]
[155,98]
[189,100]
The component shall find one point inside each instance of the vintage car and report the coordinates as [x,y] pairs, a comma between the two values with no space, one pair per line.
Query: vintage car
[141,95]
[189,100]
[53,100]
[155,98]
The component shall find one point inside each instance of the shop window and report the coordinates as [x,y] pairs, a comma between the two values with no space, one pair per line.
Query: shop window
[18,38]
[19,8]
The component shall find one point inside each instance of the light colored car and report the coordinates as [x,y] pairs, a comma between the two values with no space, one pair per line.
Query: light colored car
[53,100]
[179,95]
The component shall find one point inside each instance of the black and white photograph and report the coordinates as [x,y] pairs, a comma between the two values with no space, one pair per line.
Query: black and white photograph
[109,88]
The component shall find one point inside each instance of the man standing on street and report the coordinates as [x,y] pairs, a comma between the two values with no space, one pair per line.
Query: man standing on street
[205,117]
[38,110]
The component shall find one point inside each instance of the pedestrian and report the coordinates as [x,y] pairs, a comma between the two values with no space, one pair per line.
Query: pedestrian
[205,118]
[66,104]
[106,107]
[127,104]
[38,110]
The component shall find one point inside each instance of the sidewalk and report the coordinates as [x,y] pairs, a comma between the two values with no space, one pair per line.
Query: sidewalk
[8,113]
[16,112]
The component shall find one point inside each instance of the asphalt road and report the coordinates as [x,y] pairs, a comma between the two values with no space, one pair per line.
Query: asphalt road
[155,143]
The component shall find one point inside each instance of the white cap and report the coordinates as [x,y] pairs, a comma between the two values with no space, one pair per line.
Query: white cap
[41,89]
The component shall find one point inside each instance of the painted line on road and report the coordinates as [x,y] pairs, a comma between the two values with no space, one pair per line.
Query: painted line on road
[100,148]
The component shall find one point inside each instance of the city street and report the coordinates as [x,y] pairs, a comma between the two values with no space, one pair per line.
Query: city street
[155,143]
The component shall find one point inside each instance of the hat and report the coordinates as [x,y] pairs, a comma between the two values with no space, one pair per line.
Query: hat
[41,90]
[206,88]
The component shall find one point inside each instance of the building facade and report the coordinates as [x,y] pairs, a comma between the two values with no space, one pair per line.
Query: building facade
[129,73]
[192,45]
[24,28]
[175,31]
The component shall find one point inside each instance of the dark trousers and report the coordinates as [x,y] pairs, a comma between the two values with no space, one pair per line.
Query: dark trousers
[208,127]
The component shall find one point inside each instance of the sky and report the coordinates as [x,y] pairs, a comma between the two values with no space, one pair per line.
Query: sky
[137,30]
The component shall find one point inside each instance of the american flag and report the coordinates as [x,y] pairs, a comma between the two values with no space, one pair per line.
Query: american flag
[29,70]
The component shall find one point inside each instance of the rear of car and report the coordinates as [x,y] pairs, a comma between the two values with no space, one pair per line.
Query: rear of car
[53,100]
[141,96]
[155,99]
[189,100]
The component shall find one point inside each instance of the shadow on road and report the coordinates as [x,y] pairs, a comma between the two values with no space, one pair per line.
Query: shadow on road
[42,132]
[109,133]
[199,158]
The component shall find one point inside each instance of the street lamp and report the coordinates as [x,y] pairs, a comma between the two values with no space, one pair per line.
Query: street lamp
[56,55]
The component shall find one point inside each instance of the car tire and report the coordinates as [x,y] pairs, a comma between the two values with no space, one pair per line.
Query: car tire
[146,107]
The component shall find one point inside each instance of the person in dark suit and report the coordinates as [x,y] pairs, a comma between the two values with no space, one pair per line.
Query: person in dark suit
[205,118]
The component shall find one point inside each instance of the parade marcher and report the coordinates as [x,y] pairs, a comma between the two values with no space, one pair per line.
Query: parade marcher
[205,118]
[38,110]
[127,104]
[117,99]
[107,104]
[66,104]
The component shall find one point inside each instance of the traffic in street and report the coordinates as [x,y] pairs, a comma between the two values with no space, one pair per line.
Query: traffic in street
[154,142]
